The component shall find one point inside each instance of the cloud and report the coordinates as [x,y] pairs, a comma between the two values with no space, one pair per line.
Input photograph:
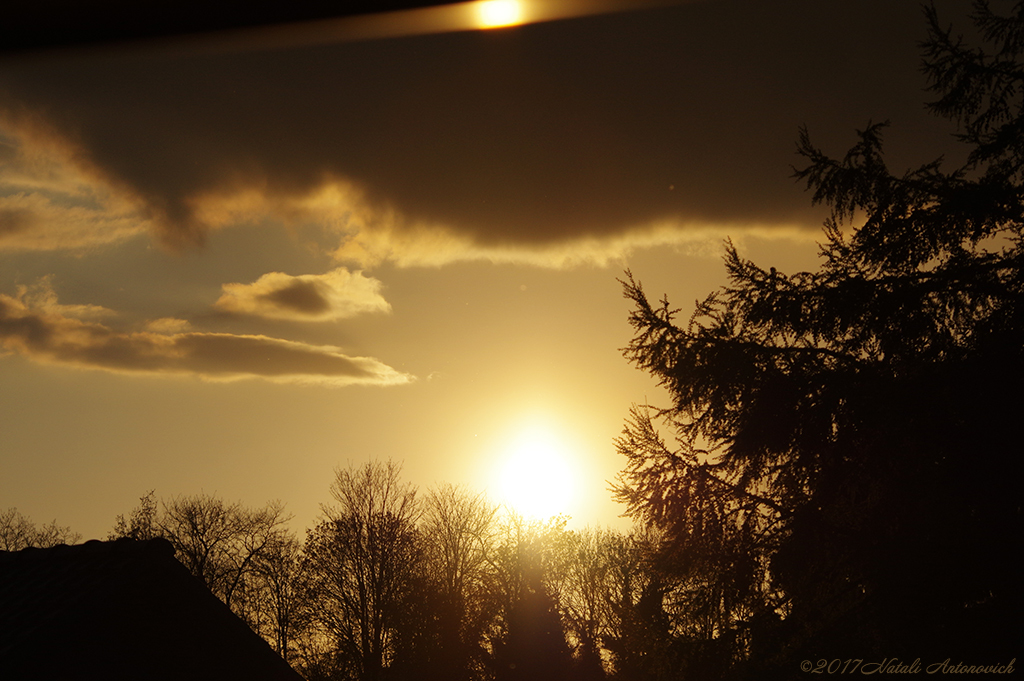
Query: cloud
[168,325]
[51,198]
[55,200]
[437,246]
[370,233]
[48,336]
[337,294]
[588,135]
[40,296]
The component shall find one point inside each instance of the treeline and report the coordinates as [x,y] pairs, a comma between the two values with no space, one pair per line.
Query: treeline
[393,583]
[18,532]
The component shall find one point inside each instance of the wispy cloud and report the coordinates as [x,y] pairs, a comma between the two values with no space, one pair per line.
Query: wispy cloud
[168,325]
[50,196]
[337,294]
[436,246]
[47,335]
[373,232]
[40,296]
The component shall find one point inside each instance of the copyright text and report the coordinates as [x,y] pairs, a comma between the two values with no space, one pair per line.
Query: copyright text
[892,665]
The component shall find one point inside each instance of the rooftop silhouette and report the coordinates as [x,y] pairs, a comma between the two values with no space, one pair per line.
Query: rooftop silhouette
[121,610]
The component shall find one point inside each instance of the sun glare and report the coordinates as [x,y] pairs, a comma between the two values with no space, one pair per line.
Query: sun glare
[535,478]
[497,13]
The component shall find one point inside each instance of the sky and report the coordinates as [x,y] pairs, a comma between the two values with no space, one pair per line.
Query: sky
[232,266]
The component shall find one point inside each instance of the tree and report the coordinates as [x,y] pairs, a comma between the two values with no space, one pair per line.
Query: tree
[279,607]
[141,523]
[363,557]
[232,549]
[842,476]
[640,629]
[586,598]
[221,543]
[458,531]
[530,565]
[17,532]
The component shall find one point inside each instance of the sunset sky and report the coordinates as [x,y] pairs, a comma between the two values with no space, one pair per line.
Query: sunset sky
[232,265]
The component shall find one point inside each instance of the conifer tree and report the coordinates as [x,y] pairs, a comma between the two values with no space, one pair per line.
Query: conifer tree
[843,477]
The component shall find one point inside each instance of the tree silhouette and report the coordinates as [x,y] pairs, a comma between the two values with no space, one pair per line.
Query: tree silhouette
[141,522]
[222,543]
[279,594]
[530,563]
[363,559]
[244,556]
[18,532]
[639,637]
[457,534]
[534,647]
[842,480]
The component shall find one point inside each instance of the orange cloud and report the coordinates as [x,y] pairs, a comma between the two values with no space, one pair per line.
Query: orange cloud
[337,294]
[168,325]
[48,336]
[41,296]
[53,196]
[51,199]
[370,233]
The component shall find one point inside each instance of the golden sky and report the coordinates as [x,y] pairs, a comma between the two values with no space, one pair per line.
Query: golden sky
[234,270]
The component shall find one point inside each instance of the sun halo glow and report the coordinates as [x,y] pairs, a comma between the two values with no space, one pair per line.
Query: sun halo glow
[535,478]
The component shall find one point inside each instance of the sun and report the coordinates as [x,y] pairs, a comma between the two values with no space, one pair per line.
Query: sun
[535,477]
[497,13]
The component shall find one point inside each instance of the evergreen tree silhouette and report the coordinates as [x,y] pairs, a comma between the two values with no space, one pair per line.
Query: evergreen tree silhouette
[845,479]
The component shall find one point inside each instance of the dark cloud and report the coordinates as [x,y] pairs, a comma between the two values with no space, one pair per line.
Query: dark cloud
[49,337]
[532,136]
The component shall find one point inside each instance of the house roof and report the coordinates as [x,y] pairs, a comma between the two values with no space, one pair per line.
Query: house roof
[121,610]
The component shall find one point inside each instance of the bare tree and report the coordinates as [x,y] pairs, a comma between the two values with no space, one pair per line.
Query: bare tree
[220,543]
[459,530]
[643,608]
[363,559]
[586,596]
[18,532]
[141,523]
[279,598]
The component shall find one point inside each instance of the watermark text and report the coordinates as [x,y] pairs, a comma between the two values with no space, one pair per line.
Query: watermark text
[893,665]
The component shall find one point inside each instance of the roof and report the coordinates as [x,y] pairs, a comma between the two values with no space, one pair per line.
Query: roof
[123,609]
